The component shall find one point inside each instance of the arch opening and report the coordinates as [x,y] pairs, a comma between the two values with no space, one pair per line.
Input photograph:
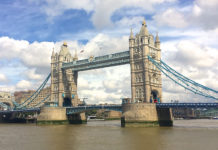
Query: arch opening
[67,102]
[154,96]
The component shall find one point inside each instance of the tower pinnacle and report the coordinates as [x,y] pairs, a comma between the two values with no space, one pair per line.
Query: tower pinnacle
[131,35]
[157,40]
[144,30]
[53,54]
[144,22]
[65,43]
[75,58]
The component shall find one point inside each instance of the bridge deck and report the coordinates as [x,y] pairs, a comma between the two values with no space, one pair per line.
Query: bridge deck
[99,62]
[72,110]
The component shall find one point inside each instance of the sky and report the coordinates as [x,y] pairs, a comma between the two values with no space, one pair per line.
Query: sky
[30,30]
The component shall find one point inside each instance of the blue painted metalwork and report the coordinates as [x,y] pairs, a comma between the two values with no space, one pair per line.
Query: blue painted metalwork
[187,105]
[35,94]
[184,81]
[187,79]
[4,106]
[79,109]
[20,111]
[99,62]
[42,101]
[15,103]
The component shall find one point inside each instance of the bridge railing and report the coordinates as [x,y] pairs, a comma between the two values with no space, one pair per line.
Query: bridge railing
[79,109]
[97,60]
[187,105]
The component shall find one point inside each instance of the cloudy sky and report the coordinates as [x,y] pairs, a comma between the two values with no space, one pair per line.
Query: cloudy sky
[30,29]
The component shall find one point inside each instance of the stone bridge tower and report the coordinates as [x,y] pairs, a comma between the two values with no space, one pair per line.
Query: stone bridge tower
[63,82]
[146,84]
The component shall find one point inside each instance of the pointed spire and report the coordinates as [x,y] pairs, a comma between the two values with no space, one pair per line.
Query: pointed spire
[131,35]
[144,30]
[144,22]
[65,43]
[157,40]
[53,53]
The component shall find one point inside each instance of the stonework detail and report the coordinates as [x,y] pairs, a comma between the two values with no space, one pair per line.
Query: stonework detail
[63,82]
[146,85]
[6,97]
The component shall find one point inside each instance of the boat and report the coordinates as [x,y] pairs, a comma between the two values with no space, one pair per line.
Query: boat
[215,117]
[93,118]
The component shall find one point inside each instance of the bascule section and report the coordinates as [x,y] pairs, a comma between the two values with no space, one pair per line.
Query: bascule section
[146,82]
[63,81]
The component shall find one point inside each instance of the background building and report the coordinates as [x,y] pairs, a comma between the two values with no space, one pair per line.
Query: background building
[6,97]
[21,96]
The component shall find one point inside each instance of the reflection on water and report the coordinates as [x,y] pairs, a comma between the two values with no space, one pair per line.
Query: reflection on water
[108,135]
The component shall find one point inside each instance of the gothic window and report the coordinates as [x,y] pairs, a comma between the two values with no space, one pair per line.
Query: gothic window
[137,93]
[140,78]
[140,91]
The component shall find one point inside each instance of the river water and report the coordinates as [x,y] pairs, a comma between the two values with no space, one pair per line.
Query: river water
[108,135]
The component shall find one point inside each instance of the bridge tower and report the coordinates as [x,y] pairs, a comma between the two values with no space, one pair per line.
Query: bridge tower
[63,82]
[146,84]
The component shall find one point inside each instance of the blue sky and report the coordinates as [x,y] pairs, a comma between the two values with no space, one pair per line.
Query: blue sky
[30,29]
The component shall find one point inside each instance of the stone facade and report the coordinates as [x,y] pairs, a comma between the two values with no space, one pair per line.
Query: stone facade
[146,82]
[6,98]
[21,96]
[145,114]
[63,82]
[140,112]
[52,115]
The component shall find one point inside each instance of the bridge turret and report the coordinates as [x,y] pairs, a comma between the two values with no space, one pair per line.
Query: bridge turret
[75,57]
[145,78]
[144,30]
[157,41]
[131,50]
[53,53]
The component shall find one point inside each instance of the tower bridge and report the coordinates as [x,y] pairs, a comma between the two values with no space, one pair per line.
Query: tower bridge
[146,84]
[146,68]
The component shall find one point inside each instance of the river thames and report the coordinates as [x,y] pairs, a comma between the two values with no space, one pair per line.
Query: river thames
[108,135]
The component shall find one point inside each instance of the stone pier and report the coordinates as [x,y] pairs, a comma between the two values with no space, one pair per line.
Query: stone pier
[57,115]
[52,115]
[77,118]
[145,115]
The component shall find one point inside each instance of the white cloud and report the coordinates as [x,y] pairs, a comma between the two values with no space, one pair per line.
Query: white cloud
[3,78]
[32,75]
[11,48]
[23,85]
[204,14]
[170,17]
[34,55]
[101,10]
[190,53]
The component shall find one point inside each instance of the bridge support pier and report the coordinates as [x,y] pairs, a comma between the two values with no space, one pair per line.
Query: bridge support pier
[57,115]
[52,115]
[77,118]
[145,115]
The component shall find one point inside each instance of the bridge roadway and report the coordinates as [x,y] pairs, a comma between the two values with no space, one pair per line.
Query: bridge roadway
[73,110]
[115,59]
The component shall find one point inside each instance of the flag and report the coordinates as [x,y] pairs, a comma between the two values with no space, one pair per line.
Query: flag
[81,51]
